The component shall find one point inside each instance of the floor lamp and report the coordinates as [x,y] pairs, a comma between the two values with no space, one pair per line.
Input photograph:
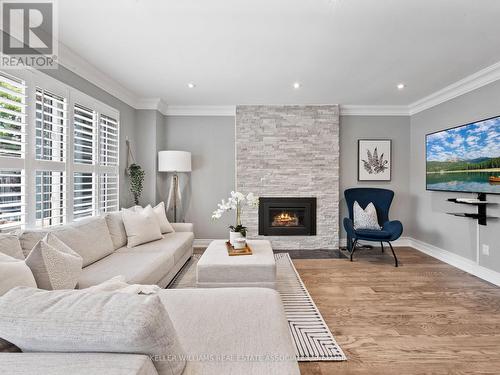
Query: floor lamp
[174,161]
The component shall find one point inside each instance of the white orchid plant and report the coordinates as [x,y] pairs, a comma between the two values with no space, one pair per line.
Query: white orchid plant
[236,202]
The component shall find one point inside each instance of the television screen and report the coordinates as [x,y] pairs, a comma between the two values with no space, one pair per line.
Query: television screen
[465,158]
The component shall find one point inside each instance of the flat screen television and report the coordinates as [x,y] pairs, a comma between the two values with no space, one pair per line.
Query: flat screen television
[465,158]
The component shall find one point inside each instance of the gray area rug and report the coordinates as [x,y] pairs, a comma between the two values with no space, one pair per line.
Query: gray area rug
[311,336]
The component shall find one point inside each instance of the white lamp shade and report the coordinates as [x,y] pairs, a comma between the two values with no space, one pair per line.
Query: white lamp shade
[174,161]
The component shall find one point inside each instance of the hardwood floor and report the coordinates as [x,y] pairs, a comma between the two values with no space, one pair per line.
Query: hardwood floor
[425,317]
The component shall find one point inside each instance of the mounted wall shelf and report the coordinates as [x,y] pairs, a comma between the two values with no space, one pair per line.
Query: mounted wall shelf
[481,204]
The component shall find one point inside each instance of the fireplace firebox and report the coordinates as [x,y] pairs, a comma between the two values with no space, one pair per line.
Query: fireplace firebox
[287,216]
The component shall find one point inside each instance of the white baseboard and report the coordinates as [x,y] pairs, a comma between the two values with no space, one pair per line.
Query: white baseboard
[457,261]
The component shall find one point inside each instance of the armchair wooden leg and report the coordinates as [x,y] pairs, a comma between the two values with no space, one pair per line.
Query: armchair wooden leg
[353,247]
[382,245]
[394,254]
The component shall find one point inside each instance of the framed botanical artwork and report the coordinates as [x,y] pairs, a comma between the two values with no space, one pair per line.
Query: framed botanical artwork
[374,159]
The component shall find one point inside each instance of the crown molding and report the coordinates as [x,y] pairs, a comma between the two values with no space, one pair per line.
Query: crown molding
[465,85]
[78,65]
[201,110]
[373,110]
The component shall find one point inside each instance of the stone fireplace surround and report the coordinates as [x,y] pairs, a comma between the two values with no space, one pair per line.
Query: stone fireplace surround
[291,151]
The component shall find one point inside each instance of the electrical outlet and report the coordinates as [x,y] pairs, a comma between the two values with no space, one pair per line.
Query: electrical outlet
[486,250]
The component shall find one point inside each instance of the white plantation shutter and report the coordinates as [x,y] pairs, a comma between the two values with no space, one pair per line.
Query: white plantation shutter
[84,195]
[108,140]
[84,135]
[12,116]
[51,118]
[12,199]
[50,198]
[59,152]
[108,192]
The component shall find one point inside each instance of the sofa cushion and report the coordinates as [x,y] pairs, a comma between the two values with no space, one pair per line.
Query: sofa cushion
[205,324]
[54,264]
[80,321]
[141,226]
[88,237]
[10,245]
[176,243]
[76,364]
[116,229]
[29,238]
[138,268]
[14,272]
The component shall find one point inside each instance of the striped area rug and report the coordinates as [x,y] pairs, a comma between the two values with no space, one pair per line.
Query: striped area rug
[311,336]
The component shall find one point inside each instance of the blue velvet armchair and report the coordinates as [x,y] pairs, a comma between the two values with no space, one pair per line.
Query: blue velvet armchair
[381,199]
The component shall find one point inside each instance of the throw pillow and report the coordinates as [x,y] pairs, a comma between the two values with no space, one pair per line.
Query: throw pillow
[10,245]
[14,272]
[79,321]
[54,264]
[161,215]
[141,226]
[116,229]
[367,218]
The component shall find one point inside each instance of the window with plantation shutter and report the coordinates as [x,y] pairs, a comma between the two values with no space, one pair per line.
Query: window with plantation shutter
[50,198]
[84,195]
[12,116]
[108,192]
[12,199]
[51,117]
[59,152]
[84,135]
[108,140]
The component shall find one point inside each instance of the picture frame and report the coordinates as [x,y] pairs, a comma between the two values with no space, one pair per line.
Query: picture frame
[374,159]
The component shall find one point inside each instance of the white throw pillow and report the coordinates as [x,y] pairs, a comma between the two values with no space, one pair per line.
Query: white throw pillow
[161,215]
[10,245]
[80,321]
[141,226]
[165,225]
[116,229]
[367,218]
[14,272]
[54,264]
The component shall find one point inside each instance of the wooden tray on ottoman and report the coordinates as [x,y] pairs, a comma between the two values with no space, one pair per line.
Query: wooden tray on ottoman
[231,251]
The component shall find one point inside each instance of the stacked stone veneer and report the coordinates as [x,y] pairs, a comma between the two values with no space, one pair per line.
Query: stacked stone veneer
[291,151]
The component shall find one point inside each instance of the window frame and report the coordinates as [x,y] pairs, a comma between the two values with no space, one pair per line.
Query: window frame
[30,165]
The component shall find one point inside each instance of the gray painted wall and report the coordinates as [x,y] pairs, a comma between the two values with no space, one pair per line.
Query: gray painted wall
[211,142]
[144,149]
[429,223]
[396,128]
[127,120]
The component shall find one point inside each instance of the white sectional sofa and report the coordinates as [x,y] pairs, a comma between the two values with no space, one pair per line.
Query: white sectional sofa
[222,331]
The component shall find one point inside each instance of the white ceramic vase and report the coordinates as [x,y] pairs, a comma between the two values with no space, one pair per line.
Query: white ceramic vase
[233,236]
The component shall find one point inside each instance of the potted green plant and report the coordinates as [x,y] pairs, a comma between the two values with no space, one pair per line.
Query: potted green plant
[136,174]
[236,202]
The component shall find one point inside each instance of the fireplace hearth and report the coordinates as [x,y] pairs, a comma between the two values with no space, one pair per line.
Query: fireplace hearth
[280,216]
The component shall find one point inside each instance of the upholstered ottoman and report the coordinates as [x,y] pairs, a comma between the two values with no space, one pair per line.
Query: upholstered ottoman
[216,269]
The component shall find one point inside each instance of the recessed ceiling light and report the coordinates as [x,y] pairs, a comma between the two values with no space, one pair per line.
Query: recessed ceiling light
[401,86]
[296,85]
[191,85]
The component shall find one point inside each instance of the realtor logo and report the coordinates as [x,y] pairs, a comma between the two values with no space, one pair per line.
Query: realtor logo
[28,34]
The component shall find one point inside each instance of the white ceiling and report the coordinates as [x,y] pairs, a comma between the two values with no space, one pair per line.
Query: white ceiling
[250,52]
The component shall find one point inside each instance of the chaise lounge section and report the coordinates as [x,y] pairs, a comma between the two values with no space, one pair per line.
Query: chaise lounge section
[222,331]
